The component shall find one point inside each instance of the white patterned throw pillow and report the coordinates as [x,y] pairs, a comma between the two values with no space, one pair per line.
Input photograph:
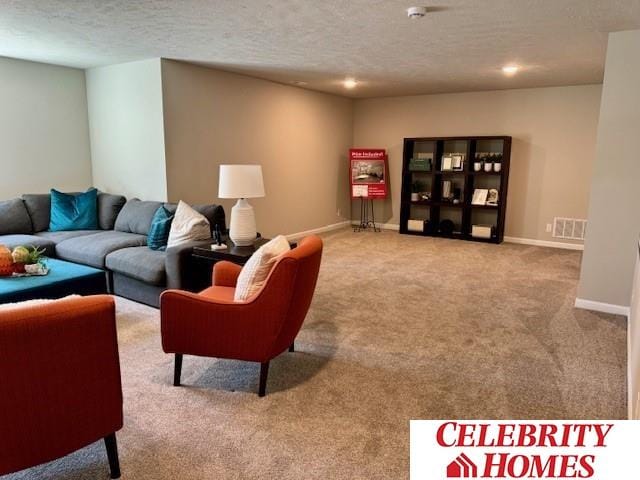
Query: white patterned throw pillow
[33,303]
[188,225]
[257,269]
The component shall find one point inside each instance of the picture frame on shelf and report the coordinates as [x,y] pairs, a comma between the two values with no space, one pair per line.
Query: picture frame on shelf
[457,162]
[480,196]
[492,197]
[447,163]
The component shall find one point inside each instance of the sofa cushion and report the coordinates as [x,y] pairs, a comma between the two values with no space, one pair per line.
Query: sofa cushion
[140,263]
[14,218]
[13,241]
[109,207]
[74,211]
[39,208]
[136,216]
[92,249]
[213,213]
[57,237]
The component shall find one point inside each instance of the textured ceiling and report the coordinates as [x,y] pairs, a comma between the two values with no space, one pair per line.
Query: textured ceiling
[460,45]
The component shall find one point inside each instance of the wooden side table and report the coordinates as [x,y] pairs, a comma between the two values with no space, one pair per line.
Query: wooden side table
[203,259]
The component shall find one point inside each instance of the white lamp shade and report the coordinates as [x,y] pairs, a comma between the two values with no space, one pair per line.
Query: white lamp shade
[240,181]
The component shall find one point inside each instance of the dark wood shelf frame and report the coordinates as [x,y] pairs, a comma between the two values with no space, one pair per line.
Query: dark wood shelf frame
[468,179]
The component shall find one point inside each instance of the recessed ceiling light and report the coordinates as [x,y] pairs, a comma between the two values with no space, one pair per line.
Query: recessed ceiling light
[350,83]
[510,69]
[299,83]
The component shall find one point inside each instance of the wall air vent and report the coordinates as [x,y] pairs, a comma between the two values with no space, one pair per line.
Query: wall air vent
[569,228]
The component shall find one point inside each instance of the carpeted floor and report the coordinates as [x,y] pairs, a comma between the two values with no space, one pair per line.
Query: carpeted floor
[400,328]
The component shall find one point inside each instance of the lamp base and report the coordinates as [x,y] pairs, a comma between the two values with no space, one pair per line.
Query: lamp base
[242,229]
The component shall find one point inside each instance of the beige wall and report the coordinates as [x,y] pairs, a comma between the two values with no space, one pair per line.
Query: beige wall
[160,128]
[126,127]
[553,130]
[300,137]
[44,138]
[614,221]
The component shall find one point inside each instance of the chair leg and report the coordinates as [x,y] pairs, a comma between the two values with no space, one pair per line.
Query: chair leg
[264,372]
[177,370]
[292,347]
[112,454]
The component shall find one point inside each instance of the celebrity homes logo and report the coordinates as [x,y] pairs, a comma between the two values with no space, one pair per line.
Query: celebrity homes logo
[523,449]
[462,467]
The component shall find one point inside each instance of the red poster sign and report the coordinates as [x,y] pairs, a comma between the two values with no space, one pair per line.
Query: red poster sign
[368,172]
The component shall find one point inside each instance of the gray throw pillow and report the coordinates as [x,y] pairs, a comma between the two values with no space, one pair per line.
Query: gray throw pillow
[136,216]
[14,218]
[39,207]
[109,207]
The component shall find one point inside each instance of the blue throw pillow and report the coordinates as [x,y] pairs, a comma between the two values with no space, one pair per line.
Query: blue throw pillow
[160,228]
[74,211]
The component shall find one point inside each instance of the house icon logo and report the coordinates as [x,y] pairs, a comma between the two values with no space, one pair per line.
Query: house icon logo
[462,467]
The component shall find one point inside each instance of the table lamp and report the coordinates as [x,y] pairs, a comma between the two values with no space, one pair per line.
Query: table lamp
[241,182]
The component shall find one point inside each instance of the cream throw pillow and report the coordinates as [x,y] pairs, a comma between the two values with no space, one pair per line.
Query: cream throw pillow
[33,303]
[188,225]
[257,269]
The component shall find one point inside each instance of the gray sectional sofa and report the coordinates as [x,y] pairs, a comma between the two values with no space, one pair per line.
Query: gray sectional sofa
[120,246]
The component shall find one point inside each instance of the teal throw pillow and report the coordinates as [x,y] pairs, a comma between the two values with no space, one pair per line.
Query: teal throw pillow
[74,211]
[160,228]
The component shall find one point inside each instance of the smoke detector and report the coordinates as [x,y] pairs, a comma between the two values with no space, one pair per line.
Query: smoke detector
[416,12]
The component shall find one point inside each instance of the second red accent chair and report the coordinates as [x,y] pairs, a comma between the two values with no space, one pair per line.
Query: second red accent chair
[211,324]
[60,377]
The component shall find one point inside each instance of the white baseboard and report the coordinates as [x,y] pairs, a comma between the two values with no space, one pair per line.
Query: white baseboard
[522,241]
[390,226]
[544,243]
[617,310]
[326,228]
[384,226]
[630,392]
[602,307]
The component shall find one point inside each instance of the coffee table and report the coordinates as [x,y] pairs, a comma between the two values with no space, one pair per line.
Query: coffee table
[64,279]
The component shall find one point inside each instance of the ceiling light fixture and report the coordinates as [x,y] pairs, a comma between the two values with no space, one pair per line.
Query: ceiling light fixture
[510,70]
[299,83]
[350,83]
[416,12]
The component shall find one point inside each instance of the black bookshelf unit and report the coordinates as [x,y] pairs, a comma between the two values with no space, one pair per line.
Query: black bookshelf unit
[442,174]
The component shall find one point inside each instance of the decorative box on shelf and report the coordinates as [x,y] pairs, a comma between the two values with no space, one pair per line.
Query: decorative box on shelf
[421,163]
[481,231]
[415,225]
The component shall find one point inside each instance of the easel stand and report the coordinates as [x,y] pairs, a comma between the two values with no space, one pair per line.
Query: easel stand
[366,223]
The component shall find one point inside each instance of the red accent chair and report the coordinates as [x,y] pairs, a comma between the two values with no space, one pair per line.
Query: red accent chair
[60,376]
[211,324]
